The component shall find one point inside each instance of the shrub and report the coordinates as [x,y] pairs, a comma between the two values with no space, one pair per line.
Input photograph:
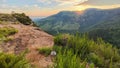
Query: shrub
[97,52]
[61,39]
[22,18]
[45,51]
[6,31]
[96,59]
[67,59]
[13,61]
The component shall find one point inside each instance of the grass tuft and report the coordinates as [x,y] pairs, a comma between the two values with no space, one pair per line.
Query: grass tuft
[45,51]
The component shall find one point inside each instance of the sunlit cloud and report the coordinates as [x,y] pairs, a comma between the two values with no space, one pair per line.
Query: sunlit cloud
[61,2]
[100,2]
[71,2]
[49,7]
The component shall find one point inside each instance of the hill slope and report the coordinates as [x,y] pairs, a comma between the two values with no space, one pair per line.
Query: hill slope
[24,37]
[72,21]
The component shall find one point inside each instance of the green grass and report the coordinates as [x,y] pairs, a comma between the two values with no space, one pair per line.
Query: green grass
[67,59]
[8,22]
[7,31]
[81,48]
[45,51]
[13,61]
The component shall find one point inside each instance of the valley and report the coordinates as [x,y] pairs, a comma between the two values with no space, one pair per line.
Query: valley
[95,22]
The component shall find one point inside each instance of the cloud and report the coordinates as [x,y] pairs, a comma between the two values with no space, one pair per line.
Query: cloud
[47,7]
[5,8]
[61,2]
[71,2]
[45,1]
[100,2]
[3,0]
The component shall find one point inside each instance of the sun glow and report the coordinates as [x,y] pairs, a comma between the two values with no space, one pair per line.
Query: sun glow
[83,7]
[80,8]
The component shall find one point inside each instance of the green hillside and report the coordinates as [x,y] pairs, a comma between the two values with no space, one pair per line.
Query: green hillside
[71,21]
[108,30]
[95,22]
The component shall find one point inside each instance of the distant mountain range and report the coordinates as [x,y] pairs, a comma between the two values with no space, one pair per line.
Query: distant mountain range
[35,19]
[81,21]
[104,23]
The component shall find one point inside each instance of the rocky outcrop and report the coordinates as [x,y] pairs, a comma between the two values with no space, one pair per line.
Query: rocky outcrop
[27,37]
[30,38]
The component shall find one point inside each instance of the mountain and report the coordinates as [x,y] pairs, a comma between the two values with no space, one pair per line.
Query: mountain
[108,30]
[35,19]
[81,21]
[24,45]
[104,23]
[57,22]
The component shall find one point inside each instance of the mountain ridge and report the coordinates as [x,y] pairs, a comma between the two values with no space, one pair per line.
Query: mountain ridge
[64,21]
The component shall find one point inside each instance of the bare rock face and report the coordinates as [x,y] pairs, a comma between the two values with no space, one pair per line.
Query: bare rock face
[31,38]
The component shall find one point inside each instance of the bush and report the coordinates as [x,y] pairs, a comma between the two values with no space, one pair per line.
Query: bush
[13,61]
[22,18]
[45,51]
[96,59]
[97,52]
[67,59]
[7,18]
[5,31]
[61,39]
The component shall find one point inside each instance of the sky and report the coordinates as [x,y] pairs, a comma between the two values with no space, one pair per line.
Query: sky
[48,7]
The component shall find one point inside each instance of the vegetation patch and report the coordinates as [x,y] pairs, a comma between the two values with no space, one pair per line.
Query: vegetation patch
[7,17]
[85,52]
[7,31]
[22,18]
[108,35]
[13,61]
[45,51]
[67,59]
